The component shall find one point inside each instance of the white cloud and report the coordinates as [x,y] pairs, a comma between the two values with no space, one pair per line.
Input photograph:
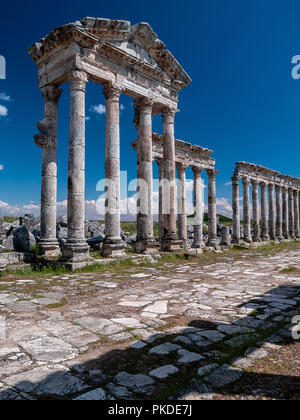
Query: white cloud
[224,207]
[1,167]
[3,111]
[98,109]
[122,107]
[227,184]
[87,118]
[4,97]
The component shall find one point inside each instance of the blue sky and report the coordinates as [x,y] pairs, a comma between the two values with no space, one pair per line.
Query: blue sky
[243,102]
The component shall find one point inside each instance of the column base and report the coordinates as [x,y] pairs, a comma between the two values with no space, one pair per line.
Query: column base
[76,252]
[198,245]
[49,248]
[236,241]
[114,249]
[213,242]
[248,240]
[265,238]
[257,239]
[146,246]
[171,245]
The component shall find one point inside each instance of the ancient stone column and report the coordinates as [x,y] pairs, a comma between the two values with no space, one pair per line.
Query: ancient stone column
[212,208]
[296,214]
[145,237]
[113,245]
[272,214]
[279,213]
[285,213]
[76,248]
[160,164]
[47,140]
[236,237]
[264,213]
[246,210]
[198,209]
[181,206]
[291,214]
[255,210]
[170,240]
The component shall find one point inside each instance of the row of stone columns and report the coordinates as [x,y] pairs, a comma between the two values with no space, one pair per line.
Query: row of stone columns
[278,218]
[76,248]
[198,206]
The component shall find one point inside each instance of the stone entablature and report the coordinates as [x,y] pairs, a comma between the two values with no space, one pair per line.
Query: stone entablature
[112,50]
[262,174]
[127,60]
[185,153]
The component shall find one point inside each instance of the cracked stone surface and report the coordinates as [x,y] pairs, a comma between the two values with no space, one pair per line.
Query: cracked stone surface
[132,333]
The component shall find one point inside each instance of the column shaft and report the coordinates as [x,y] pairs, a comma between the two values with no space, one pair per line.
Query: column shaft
[170,240]
[285,213]
[113,244]
[145,236]
[264,213]
[76,248]
[160,200]
[296,214]
[279,213]
[256,216]
[212,208]
[181,195]
[272,211]
[198,209]
[291,214]
[246,211]
[47,139]
[236,210]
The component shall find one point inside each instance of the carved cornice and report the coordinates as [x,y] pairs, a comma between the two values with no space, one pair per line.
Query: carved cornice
[112,91]
[92,32]
[78,80]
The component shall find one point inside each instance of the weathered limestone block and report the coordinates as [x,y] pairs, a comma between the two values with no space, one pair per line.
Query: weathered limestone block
[225,236]
[23,240]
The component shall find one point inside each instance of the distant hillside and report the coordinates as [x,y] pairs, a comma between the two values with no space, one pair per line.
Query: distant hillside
[222,219]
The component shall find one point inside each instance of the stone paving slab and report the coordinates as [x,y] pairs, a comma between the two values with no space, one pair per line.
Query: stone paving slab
[132,334]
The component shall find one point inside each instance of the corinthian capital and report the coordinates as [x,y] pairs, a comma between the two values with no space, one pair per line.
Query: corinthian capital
[145,104]
[112,91]
[211,173]
[51,93]
[168,114]
[78,80]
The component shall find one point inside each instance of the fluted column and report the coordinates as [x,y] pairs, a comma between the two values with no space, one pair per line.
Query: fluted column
[285,213]
[279,212]
[212,208]
[113,244]
[264,213]
[246,210]
[181,197]
[236,220]
[296,214]
[291,214]
[198,209]
[170,240]
[255,211]
[47,140]
[145,237]
[160,213]
[272,210]
[76,248]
